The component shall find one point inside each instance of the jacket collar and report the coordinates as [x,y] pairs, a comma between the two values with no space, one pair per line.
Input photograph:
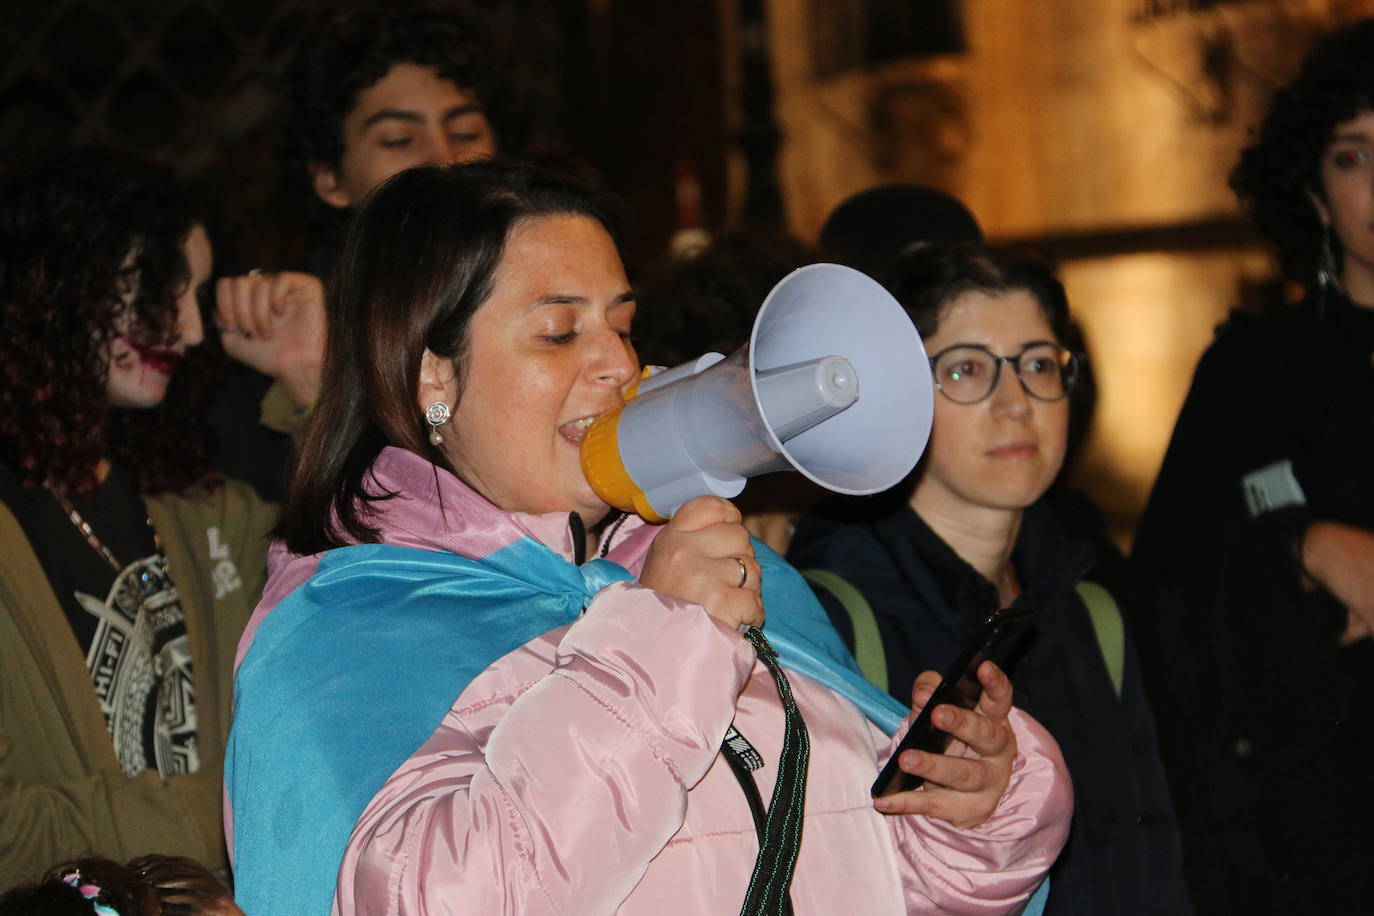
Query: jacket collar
[1048,559]
[432,509]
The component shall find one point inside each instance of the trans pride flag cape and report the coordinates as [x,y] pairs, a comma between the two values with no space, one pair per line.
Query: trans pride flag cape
[353,670]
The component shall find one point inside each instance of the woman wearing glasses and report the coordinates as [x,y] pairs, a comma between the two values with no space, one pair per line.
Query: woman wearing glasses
[908,576]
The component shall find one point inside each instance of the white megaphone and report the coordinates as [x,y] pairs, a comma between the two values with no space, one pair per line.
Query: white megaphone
[834,383]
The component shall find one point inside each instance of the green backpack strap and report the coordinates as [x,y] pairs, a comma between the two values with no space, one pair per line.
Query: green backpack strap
[1107,624]
[868,642]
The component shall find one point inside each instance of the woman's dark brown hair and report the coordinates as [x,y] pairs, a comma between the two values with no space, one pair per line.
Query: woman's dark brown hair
[182,886]
[927,281]
[91,248]
[419,259]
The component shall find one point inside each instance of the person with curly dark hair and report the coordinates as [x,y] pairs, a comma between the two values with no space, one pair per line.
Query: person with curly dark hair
[151,885]
[381,88]
[374,89]
[1256,552]
[128,566]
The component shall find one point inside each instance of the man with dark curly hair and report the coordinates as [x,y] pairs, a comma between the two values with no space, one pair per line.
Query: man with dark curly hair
[374,90]
[1257,547]
[378,90]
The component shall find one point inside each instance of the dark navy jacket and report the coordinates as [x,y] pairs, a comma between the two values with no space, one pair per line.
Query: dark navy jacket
[1123,854]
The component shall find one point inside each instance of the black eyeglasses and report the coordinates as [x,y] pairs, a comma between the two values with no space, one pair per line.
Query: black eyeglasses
[967,373]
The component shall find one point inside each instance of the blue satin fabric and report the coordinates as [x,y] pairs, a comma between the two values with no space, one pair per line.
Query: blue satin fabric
[354,670]
[806,641]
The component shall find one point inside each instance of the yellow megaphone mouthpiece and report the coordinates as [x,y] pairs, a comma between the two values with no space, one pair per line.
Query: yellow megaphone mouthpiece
[604,468]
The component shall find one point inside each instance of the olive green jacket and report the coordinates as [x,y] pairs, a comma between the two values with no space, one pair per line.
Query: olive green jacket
[62,792]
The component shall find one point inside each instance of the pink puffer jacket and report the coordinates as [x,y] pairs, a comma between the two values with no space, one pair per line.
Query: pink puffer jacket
[581,774]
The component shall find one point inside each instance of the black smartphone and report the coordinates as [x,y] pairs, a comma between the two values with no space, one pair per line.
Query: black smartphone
[997,637]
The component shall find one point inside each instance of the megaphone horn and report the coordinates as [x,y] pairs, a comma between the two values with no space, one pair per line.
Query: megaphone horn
[833,383]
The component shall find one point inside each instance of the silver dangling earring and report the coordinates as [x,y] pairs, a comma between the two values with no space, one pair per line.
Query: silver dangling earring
[1327,277]
[436,415]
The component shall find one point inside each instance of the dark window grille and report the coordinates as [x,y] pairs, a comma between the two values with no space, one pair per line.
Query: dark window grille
[196,85]
[850,34]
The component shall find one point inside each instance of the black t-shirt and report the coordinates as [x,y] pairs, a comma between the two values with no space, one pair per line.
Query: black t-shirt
[129,624]
[246,449]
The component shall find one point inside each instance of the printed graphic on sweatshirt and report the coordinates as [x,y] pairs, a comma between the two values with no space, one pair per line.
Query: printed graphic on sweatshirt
[140,664]
[225,574]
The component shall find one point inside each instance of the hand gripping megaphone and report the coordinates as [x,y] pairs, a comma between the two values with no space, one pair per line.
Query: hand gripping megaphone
[834,383]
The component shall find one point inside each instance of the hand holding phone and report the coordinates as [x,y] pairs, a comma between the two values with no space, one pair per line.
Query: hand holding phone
[996,639]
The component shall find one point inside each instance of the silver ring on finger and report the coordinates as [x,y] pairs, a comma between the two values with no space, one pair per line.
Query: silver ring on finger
[256,272]
[743,571]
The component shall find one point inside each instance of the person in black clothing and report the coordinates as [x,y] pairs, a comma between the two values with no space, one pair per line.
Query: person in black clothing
[972,531]
[1255,555]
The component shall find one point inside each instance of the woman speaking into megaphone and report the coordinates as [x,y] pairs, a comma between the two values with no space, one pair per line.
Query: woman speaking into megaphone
[471,687]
